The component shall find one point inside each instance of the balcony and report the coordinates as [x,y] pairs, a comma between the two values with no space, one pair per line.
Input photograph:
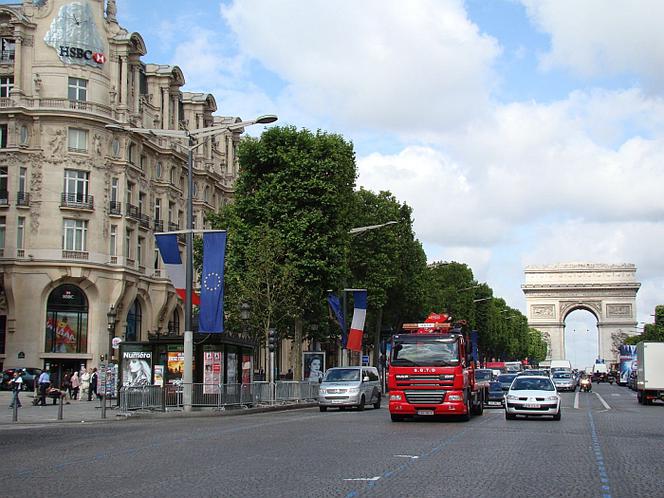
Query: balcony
[158,225]
[22,199]
[77,201]
[144,220]
[4,198]
[133,212]
[172,227]
[115,208]
[78,255]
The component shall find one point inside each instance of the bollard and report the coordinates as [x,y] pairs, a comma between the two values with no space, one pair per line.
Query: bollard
[15,412]
[103,406]
[60,407]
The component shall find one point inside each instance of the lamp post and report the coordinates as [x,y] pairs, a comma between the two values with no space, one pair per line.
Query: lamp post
[195,138]
[110,318]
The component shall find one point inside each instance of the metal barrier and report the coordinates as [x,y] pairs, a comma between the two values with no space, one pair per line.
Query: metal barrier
[219,396]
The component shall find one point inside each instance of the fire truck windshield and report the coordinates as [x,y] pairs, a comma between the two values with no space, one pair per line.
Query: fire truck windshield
[425,352]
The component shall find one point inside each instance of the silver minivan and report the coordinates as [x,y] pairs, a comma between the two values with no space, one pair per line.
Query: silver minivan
[349,386]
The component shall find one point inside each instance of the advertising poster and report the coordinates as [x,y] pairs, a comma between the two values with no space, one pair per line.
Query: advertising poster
[627,359]
[314,365]
[159,375]
[246,369]
[212,361]
[175,366]
[231,371]
[136,368]
[108,377]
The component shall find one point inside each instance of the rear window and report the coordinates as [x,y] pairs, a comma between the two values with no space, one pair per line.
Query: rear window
[483,374]
[562,376]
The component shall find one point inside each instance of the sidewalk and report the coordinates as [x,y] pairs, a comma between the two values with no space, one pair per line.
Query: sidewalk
[90,411]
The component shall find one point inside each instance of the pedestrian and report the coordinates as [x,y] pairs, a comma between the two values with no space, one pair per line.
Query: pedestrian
[85,382]
[93,384]
[75,385]
[44,383]
[17,385]
[66,383]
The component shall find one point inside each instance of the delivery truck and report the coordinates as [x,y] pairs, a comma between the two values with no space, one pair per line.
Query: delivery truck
[650,372]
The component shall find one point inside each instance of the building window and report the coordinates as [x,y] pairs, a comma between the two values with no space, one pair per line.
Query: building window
[173,174]
[6,85]
[4,195]
[67,320]
[129,234]
[78,140]
[20,233]
[139,250]
[131,153]
[8,47]
[156,259]
[75,235]
[141,202]
[3,333]
[174,323]
[3,136]
[134,319]
[158,169]
[113,249]
[76,185]
[206,194]
[157,209]
[3,228]
[194,190]
[130,193]
[22,179]
[78,89]
[143,163]
[171,212]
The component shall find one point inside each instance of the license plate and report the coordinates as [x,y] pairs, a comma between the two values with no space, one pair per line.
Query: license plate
[495,403]
[531,405]
[425,412]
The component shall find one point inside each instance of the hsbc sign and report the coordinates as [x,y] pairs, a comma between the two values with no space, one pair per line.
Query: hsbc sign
[79,53]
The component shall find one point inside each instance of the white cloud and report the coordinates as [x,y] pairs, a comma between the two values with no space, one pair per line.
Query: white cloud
[603,37]
[374,63]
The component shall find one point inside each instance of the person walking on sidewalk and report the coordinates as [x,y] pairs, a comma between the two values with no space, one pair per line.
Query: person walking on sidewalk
[75,385]
[85,382]
[94,377]
[44,383]
[16,384]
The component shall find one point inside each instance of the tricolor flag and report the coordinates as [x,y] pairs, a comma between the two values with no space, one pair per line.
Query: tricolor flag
[211,317]
[175,269]
[357,325]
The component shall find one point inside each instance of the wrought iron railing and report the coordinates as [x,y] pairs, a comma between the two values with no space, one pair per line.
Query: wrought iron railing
[77,200]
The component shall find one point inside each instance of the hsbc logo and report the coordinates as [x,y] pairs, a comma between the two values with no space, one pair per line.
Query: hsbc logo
[79,53]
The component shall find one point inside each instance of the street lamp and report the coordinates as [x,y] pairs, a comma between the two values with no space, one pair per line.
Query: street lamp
[482,299]
[110,319]
[194,138]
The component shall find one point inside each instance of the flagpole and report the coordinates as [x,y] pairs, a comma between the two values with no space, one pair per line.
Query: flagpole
[188,374]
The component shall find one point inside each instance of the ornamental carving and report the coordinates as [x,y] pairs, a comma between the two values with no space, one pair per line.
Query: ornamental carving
[619,310]
[542,311]
[594,307]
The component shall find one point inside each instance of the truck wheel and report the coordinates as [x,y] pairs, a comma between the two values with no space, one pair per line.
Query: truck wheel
[466,416]
[478,409]
[640,397]
[396,418]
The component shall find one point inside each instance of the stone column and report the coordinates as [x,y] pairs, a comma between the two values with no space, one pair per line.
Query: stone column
[18,67]
[166,111]
[123,82]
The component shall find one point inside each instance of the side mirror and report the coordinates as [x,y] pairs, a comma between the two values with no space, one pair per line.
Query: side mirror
[365,378]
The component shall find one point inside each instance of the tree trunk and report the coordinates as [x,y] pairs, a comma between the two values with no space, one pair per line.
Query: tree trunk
[376,348]
[297,348]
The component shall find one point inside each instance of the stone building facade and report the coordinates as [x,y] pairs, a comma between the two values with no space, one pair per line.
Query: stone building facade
[80,203]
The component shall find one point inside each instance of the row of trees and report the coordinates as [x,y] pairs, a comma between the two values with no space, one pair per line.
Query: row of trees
[651,331]
[289,243]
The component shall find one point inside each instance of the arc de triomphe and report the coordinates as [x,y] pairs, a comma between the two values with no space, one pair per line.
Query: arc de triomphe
[607,291]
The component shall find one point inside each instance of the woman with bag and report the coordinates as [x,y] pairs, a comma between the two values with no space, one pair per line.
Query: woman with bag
[75,385]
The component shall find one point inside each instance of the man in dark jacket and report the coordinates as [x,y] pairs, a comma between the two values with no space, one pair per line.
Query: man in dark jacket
[93,384]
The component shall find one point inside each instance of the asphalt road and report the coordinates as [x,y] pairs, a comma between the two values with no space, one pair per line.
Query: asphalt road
[594,451]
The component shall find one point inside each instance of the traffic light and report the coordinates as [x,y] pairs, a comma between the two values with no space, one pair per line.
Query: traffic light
[271,340]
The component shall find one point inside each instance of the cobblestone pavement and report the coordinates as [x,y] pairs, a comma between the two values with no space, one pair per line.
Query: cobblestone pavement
[606,445]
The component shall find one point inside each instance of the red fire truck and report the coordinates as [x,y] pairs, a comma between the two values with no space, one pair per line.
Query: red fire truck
[431,371]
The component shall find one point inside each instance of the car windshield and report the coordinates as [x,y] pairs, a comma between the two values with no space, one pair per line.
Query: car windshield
[506,378]
[532,384]
[495,386]
[483,374]
[429,352]
[342,375]
[562,376]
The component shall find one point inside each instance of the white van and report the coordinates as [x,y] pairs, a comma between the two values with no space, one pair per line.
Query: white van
[349,386]
[560,364]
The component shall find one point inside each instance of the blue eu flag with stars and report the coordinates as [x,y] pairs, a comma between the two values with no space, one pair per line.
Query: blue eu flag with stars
[211,317]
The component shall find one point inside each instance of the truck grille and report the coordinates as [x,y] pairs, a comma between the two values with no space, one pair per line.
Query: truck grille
[425,397]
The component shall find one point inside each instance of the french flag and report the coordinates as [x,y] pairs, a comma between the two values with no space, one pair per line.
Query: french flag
[357,325]
[176,271]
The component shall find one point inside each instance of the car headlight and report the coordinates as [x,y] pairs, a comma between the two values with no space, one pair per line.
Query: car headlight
[395,397]
[511,397]
[321,391]
[354,390]
[552,398]
[455,397]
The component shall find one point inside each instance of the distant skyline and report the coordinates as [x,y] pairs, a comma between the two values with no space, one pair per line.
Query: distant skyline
[522,132]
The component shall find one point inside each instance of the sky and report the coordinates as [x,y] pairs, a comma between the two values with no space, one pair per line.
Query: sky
[521,132]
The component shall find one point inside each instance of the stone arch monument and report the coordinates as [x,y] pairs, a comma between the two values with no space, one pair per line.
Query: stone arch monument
[607,291]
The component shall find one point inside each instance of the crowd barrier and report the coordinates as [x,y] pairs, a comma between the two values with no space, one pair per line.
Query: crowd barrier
[219,396]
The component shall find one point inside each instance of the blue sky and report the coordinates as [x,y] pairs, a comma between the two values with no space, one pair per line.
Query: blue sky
[521,132]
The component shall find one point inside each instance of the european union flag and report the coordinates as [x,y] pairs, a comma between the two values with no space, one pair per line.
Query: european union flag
[211,318]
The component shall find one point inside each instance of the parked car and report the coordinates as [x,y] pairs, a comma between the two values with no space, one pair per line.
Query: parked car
[506,380]
[564,381]
[349,386]
[496,396]
[532,397]
[30,377]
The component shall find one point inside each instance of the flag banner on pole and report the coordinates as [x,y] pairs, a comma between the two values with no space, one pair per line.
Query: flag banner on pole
[211,316]
[175,269]
[357,325]
[336,314]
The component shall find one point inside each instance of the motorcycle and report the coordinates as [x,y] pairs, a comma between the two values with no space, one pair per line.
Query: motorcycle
[585,385]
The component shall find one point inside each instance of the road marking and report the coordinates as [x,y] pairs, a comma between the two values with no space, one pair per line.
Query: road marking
[606,405]
[599,458]
[615,394]
[407,456]
[363,478]
[576,400]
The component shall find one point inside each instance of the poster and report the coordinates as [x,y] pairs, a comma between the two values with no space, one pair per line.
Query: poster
[61,332]
[314,365]
[627,359]
[231,372]
[175,366]
[136,368]
[246,369]
[159,375]
[108,380]
[212,361]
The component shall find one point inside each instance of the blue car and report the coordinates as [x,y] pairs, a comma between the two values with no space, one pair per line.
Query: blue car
[496,396]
